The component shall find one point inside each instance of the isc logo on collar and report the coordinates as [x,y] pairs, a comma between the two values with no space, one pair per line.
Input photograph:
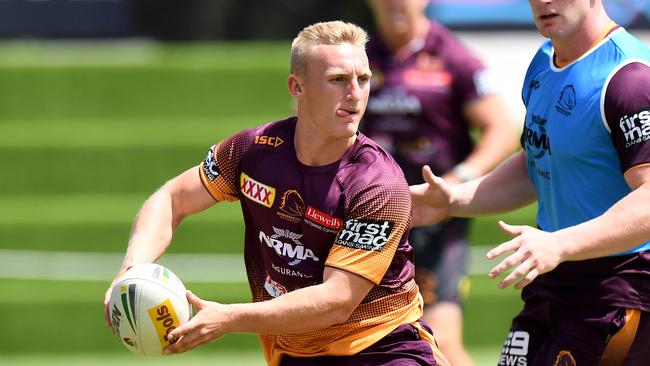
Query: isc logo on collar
[256,191]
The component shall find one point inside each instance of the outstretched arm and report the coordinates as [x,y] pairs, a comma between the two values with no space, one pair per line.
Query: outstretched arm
[505,188]
[159,217]
[623,227]
[299,311]
[161,214]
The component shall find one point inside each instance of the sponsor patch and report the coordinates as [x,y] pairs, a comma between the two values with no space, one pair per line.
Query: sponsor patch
[535,138]
[394,103]
[635,126]
[365,234]
[269,140]
[322,220]
[164,318]
[273,288]
[287,244]
[256,191]
[515,349]
[292,206]
[289,272]
[210,167]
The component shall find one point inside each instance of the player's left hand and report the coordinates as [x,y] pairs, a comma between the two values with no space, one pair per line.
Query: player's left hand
[205,326]
[534,252]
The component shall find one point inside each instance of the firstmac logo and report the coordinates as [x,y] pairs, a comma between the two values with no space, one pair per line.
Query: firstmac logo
[636,126]
[365,234]
[256,191]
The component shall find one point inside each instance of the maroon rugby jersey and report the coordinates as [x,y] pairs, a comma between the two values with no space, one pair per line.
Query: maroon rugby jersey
[353,214]
[415,110]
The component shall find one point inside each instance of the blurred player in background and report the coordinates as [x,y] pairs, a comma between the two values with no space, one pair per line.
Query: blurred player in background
[585,270]
[327,214]
[427,94]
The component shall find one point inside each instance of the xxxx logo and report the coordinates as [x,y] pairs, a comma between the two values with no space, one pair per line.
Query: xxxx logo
[256,191]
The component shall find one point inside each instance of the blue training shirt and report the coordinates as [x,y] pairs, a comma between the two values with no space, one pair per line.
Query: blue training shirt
[579,138]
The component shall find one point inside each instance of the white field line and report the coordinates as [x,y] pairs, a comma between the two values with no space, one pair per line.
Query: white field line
[84,266]
[81,266]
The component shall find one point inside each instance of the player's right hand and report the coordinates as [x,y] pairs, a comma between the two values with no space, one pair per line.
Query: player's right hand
[209,323]
[430,200]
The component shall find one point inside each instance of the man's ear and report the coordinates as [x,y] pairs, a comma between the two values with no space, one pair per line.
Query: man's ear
[295,85]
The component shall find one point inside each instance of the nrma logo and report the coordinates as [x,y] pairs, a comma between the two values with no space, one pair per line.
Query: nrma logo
[293,250]
[515,349]
[636,126]
[535,138]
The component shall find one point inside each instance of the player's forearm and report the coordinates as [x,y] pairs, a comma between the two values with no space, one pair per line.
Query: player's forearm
[152,230]
[506,188]
[299,311]
[624,226]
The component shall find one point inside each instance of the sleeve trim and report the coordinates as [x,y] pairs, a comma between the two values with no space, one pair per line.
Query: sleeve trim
[635,166]
[347,269]
[205,184]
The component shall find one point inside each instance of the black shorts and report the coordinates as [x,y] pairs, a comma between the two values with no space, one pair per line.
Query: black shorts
[545,333]
[441,260]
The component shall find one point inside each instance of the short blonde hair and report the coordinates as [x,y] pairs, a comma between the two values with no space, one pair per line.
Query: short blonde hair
[324,33]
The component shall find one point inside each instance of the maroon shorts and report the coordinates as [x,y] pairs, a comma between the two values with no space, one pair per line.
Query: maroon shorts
[549,335]
[402,347]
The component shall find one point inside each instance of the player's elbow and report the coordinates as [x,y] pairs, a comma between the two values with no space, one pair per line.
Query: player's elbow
[342,313]
[341,308]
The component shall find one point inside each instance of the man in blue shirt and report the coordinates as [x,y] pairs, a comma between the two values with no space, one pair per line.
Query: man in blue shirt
[585,270]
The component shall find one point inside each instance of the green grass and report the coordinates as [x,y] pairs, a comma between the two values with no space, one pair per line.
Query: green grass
[119,133]
[483,356]
[47,308]
[68,317]
[150,80]
[124,358]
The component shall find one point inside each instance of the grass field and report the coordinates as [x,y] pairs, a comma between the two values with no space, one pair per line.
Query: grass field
[483,357]
[88,131]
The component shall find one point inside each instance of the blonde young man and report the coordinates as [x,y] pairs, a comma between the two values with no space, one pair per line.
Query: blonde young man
[326,212]
[585,270]
[427,95]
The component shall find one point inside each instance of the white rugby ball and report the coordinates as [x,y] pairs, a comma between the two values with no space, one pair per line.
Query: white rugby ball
[146,304]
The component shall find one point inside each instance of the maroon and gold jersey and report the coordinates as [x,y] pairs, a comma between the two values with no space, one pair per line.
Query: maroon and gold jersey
[353,214]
